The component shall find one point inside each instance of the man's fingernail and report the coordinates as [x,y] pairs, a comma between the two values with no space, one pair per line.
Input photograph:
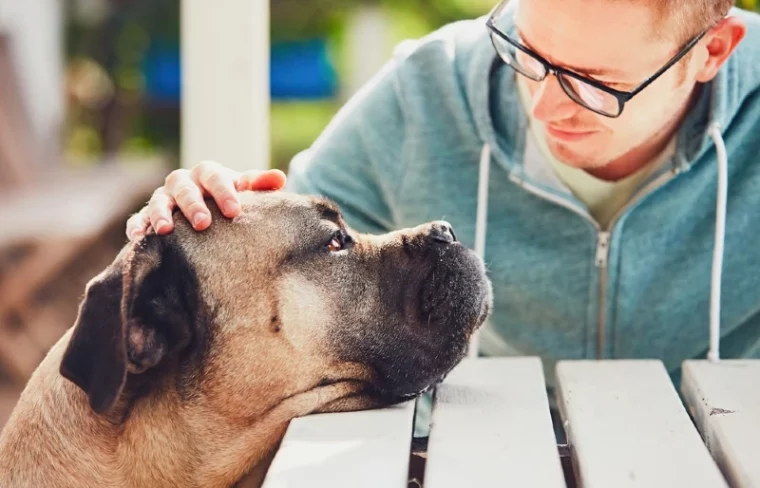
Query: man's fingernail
[230,206]
[161,225]
[198,219]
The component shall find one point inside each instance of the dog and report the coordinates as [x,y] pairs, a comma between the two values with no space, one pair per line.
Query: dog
[192,351]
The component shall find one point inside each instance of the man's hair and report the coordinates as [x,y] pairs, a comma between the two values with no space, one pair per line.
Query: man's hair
[686,18]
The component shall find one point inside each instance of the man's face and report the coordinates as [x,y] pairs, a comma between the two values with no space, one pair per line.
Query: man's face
[617,44]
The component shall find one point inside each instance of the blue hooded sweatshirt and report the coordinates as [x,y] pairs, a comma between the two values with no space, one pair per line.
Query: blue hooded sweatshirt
[440,133]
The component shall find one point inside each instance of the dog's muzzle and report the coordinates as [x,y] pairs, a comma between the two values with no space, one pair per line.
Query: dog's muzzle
[455,294]
[448,296]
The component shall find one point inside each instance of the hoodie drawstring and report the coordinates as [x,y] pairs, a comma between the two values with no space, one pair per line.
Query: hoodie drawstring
[480,225]
[720,234]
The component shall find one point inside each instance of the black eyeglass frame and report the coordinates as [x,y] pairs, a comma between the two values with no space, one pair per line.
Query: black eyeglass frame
[622,97]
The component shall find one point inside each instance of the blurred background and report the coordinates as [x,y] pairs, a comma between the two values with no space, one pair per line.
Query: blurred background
[90,123]
[123,67]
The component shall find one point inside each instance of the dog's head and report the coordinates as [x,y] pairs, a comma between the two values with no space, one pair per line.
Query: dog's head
[283,300]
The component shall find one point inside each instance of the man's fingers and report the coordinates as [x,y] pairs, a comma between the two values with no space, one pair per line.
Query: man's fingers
[159,211]
[186,189]
[183,191]
[189,199]
[273,179]
[137,224]
[218,182]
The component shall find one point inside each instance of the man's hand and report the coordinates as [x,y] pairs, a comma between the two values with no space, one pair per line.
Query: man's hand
[186,189]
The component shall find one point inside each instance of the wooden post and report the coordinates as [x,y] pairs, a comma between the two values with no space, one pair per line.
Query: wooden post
[370,46]
[33,30]
[225,83]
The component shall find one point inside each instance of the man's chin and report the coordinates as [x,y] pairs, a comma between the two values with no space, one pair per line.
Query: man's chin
[575,158]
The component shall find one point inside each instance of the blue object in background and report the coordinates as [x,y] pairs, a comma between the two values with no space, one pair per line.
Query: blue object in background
[161,71]
[302,70]
[299,70]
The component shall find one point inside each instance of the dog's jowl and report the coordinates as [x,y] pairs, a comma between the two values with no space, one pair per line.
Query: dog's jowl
[193,351]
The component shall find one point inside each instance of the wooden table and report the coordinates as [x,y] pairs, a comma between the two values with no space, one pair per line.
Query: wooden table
[625,423]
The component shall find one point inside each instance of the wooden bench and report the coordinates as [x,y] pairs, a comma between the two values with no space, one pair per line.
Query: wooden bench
[625,422]
[54,237]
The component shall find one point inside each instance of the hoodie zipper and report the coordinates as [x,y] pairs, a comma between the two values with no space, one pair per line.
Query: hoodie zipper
[602,253]
[603,237]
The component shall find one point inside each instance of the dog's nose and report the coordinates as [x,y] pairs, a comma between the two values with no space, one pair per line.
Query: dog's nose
[441,231]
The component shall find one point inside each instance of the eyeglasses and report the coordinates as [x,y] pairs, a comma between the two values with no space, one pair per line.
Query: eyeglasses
[588,93]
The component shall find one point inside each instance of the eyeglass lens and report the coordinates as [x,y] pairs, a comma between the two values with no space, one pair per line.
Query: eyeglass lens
[580,91]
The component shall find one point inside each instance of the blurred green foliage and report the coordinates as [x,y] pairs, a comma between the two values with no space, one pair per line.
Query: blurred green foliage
[109,112]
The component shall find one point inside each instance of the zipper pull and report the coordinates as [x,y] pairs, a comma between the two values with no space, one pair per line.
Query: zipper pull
[602,248]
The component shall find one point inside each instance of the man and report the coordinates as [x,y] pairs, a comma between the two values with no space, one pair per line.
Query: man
[585,134]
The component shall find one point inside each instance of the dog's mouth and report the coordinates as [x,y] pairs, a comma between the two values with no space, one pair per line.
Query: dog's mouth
[417,326]
[442,310]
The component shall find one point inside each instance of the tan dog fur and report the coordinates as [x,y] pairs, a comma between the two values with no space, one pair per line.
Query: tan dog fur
[269,325]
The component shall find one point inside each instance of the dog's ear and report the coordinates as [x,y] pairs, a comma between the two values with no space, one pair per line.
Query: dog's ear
[136,313]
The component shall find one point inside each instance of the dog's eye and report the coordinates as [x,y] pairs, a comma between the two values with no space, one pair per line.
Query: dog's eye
[335,244]
[339,242]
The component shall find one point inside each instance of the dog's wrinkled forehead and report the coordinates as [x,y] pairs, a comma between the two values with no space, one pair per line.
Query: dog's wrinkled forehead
[270,227]
[294,214]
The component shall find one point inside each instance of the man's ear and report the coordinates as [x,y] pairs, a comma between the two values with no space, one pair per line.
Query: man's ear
[136,313]
[722,41]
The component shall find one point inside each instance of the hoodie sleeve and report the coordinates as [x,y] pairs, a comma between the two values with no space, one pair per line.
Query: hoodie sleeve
[357,160]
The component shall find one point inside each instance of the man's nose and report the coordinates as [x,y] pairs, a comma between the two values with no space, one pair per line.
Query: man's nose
[441,231]
[550,102]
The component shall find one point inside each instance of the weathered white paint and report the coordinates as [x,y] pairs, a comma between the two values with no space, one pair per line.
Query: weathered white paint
[225,83]
[34,28]
[368,448]
[368,40]
[491,427]
[627,426]
[724,399]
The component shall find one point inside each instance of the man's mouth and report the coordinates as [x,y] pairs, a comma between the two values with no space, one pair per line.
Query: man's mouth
[568,135]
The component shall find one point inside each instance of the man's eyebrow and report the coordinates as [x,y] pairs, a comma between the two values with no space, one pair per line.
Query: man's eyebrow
[575,69]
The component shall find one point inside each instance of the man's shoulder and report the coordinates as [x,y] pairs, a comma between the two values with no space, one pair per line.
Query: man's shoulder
[450,48]
[444,74]
[455,35]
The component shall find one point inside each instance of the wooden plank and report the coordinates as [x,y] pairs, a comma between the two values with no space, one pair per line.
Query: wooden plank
[369,448]
[46,324]
[36,44]
[225,83]
[77,204]
[9,395]
[19,355]
[627,426]
[17,153]
[37,269]
[724,400]
[491,426]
